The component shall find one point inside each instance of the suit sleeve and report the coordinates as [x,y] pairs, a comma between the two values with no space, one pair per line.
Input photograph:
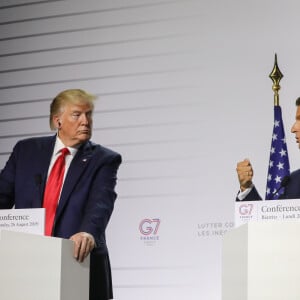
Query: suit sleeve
[101,200]
[252,196]
[7,183]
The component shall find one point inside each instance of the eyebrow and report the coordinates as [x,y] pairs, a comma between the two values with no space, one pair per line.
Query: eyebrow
[80,111]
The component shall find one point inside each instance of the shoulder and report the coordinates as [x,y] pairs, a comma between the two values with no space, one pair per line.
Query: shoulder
[295,174]
[102,151]
[35,142]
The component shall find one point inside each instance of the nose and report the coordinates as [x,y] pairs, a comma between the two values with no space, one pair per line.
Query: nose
[293,128]
[85,119]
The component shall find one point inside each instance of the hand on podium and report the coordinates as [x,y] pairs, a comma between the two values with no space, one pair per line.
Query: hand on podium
[84,243]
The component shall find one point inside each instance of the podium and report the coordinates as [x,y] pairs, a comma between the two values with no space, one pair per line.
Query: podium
[35,267]
[261,260]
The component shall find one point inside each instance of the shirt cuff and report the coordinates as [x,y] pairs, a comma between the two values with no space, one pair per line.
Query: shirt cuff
[242,195]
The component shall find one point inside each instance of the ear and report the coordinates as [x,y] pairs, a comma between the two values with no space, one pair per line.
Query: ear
[56,121]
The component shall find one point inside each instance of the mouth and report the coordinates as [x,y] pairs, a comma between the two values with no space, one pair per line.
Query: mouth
[86,132]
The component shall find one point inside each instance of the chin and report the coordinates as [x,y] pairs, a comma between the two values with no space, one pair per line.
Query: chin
[84,138]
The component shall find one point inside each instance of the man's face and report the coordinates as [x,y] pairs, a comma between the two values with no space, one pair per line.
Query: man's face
[296,126]
[75,124]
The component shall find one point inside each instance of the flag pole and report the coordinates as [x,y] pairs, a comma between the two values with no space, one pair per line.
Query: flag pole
[279,166]
[276,76]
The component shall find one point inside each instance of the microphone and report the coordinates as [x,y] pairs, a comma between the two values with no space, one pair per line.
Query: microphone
[286,179]
[36,201]
[38,179]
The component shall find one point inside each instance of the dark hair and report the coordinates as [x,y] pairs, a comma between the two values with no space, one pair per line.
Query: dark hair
[298,102]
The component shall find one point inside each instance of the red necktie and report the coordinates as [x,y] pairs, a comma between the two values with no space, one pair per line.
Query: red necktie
[53,188]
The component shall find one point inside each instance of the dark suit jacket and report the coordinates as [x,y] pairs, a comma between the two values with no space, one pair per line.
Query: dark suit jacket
[88,194]
[291,191]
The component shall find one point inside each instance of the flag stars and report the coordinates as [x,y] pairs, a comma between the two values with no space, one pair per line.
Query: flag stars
[282,152]
[277,179]
[279,162]
[271,164]
[280,166]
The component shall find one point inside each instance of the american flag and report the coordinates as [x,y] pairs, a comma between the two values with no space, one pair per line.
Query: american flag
[279,165]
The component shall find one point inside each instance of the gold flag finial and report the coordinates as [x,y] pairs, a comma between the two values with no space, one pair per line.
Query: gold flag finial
[276,76]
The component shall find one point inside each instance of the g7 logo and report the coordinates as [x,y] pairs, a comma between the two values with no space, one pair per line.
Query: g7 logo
[245,209]
[148,226]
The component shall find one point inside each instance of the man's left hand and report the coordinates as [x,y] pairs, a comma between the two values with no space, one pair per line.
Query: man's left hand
[84,243]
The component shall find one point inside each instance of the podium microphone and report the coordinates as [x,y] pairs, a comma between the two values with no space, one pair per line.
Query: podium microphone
[38,179]
[286,179]
[36,201]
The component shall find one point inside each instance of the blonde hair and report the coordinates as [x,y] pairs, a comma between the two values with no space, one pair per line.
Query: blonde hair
[72,96]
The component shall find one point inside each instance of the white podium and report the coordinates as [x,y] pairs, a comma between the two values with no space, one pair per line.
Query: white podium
[261,260]
[36,267]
